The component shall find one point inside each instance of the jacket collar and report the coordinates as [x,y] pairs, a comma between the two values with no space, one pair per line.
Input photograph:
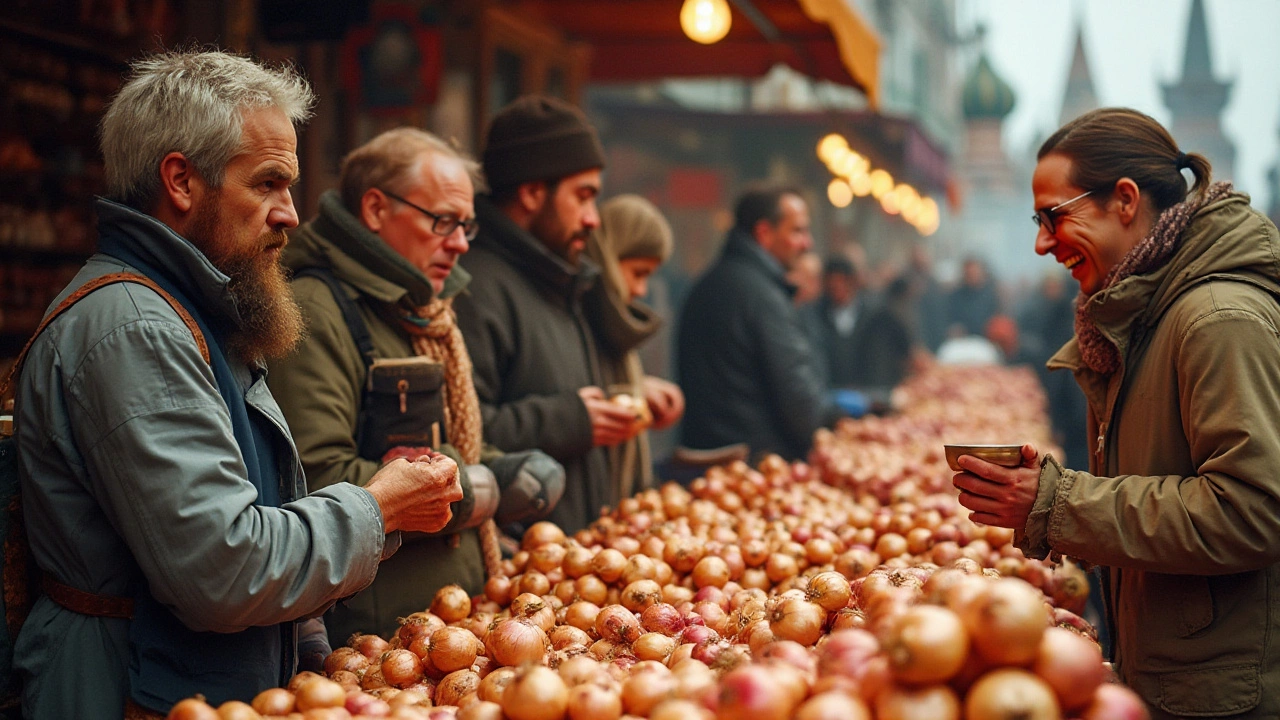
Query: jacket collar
[741,245]
[337,240]
[521,249]
[167,252]
[1226,240]
[620,326]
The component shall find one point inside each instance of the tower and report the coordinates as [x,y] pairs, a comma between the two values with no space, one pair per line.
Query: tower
[1079,96]
[1196,101]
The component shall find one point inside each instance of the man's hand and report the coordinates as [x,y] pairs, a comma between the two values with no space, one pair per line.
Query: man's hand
[666,401]
[415,495]
[611,423]
[998,495]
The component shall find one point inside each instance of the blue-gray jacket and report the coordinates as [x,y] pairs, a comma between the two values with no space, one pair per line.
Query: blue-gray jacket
[134,484]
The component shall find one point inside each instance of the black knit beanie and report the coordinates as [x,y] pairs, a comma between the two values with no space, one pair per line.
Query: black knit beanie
[539,138]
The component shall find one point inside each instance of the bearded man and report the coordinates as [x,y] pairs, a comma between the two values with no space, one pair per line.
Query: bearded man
[537,365]
[164,499]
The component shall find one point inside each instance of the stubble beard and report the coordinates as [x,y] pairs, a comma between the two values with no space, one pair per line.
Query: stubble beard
[271,323]
[548,229]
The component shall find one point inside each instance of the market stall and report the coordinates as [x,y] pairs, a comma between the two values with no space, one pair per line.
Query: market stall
[850,587]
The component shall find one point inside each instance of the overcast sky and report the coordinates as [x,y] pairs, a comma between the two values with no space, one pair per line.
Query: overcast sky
[1132,47]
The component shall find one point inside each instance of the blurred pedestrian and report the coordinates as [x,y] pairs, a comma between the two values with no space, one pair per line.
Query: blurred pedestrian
[972,304]
[746,365]
[831,323]
[632,242]
[930,300]
[375,273]
[887,345]
[806,276]
[1176,350]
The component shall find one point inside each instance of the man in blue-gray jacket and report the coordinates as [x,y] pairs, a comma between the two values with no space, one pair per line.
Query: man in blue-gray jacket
[163,495]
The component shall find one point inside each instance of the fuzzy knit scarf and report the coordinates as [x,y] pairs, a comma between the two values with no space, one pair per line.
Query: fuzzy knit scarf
[1099,353]
[435,334]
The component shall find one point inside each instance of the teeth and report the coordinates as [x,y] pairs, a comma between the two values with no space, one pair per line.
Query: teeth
[1072,261]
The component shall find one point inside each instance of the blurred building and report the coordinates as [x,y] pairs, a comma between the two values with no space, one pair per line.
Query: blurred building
[1079,97]
[1197,99]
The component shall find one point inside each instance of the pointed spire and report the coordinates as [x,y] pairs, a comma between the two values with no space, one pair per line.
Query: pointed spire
[1196,61]
[1079,96]
[1197,99]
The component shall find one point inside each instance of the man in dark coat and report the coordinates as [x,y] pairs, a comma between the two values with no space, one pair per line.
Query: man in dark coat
[747,368]
[537,370]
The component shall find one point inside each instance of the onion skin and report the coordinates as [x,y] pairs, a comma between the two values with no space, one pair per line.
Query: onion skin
[833,706]
[928,644]
[752,693]
[1011,694]
[537,693]
[192,709]
[515,642]
[1072,666]
[1007,622]
[935,702]
[276,701]
[320,693]
[1115,702]
[593,702]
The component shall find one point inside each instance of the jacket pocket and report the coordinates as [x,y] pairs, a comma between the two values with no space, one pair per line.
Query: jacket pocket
[1211,692]
[1195,611]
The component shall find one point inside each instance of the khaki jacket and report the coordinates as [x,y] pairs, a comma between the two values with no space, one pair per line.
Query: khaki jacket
[319,388]
[1182,501]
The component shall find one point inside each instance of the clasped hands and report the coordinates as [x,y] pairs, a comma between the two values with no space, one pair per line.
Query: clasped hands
[415,489]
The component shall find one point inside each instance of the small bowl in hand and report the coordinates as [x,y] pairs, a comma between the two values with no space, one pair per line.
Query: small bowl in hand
[1006,455]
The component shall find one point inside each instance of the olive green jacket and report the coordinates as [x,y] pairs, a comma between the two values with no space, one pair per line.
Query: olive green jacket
[319,388]
[1182,501]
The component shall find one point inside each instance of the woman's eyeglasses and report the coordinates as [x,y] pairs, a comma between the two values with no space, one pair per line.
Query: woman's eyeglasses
[442,225]
[1048,218]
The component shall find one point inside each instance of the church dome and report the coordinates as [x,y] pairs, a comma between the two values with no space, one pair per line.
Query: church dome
[986,95]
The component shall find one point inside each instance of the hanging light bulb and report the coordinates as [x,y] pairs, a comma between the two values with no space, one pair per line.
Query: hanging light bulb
[705,21]
[839,193]
[828,145]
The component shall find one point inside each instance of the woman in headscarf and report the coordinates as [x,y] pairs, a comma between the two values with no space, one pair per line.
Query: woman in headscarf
[633,240]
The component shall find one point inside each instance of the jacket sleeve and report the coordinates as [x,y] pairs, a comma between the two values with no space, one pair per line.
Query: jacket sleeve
[161,460]
[789,371]
[1226,519]
[318,387]
[557,424]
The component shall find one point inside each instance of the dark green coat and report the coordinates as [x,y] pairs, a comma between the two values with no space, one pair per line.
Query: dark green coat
[523,321]
[1182,500]
[319,389]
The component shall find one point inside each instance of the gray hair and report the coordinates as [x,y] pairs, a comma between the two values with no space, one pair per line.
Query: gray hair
[389,160]
[192,103]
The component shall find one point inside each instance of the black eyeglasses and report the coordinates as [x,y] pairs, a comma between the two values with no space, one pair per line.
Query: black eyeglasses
[443,225]
[1048,219]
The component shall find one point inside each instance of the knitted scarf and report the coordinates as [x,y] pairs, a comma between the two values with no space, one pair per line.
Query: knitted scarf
[1099,353]
[434,331]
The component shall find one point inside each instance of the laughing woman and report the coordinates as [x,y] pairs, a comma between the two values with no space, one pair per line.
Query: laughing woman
[1177,349]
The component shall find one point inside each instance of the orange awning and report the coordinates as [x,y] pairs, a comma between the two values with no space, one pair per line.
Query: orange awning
[638,40]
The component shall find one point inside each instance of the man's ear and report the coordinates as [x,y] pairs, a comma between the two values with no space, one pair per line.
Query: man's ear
[762,231]
[373,209]
[1129,198]
[179,183]
[532,196]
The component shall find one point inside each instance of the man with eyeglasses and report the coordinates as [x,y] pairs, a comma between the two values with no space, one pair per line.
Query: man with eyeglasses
[384,372]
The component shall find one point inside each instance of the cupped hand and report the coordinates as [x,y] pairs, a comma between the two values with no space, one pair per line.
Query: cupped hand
[611,423]
[666,401]
[998,495]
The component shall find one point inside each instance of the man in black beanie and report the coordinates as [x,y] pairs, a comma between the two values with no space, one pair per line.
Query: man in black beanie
[537,371]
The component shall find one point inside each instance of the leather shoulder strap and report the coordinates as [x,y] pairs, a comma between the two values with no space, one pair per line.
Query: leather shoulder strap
[89,287]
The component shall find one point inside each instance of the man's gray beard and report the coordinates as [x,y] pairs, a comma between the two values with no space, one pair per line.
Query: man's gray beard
[271,323]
